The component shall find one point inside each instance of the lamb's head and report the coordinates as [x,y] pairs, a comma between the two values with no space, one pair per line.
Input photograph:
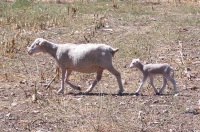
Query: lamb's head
[134,63]
[36,46]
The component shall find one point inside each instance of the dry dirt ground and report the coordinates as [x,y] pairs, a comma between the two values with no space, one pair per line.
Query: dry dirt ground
[153,32]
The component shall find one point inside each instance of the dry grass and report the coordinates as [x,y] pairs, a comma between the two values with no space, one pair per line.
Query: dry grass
[154,32]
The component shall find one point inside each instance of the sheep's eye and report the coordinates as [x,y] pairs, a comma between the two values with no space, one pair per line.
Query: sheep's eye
[37,43]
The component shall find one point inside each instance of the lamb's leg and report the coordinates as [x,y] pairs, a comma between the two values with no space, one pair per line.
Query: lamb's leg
[61,90]
[139,88]
[163,85]
[112,70]
[152,84]
[173,82]
[70,84]
[98,78]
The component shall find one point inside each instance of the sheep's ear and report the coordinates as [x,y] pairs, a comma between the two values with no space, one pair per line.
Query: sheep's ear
[41,43]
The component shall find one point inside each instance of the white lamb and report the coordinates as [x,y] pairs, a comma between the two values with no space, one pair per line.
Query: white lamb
[149,70]
[85,58]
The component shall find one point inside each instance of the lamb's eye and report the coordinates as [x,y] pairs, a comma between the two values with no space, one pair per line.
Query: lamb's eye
[37,43]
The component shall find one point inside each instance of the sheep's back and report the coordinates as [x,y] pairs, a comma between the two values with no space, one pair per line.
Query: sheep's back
[88,57]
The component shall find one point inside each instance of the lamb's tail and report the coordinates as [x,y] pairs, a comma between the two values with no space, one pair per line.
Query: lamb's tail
[113,51]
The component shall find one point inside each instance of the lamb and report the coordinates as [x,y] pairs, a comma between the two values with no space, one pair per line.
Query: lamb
[85,58]
[149,70]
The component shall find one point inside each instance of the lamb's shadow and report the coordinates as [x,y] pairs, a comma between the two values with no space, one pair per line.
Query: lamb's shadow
[123,94]
[105,94]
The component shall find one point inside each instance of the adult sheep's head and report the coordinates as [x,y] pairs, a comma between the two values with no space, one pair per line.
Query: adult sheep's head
[36,46]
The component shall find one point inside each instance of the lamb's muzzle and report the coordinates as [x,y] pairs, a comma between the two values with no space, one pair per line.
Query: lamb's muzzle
[85,58]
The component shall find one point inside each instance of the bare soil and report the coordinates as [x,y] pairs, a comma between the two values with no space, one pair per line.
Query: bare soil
[154,38]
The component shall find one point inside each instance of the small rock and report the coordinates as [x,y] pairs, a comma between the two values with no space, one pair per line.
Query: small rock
[8,115]
[23,81]
[87,104]
[79,99]
[172,130]
[155,101]
[14,104]
[12,94]
[36,111]
[191,111]
[124,82]
[41,130]
[194,88]
[31,85]
[122,103]
[165,111]
[140,115]
[107,29]
[45,85]
[34,98]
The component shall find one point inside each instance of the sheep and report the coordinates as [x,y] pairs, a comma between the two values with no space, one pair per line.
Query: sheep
[149,70]
[84,58]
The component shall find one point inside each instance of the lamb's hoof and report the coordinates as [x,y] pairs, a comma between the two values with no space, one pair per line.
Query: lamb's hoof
[176,94]
[158,93]
[136,94]
[60,91]
[86,92]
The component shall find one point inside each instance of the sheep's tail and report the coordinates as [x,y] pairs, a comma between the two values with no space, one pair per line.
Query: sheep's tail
[113,51]
[172,71]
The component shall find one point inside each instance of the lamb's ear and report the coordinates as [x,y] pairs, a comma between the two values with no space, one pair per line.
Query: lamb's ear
[138,60]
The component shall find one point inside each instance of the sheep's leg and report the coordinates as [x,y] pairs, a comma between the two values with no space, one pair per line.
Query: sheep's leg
[152,84]
[163,85]
[98,78]
[118,77]
[70,84]
[61,90]
[139,88]
[173,82]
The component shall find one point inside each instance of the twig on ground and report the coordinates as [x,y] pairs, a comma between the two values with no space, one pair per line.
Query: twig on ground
[47,87]
[24,65]
[24,91]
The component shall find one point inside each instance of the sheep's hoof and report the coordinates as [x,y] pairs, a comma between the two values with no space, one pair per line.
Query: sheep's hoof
[120,91]
[120,94]
[78,88]
[84,93]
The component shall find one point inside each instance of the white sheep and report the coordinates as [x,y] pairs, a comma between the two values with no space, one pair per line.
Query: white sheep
[85,58]
[149,70]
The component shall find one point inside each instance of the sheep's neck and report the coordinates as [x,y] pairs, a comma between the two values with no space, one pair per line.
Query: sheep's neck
[51,49]
[140,67]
